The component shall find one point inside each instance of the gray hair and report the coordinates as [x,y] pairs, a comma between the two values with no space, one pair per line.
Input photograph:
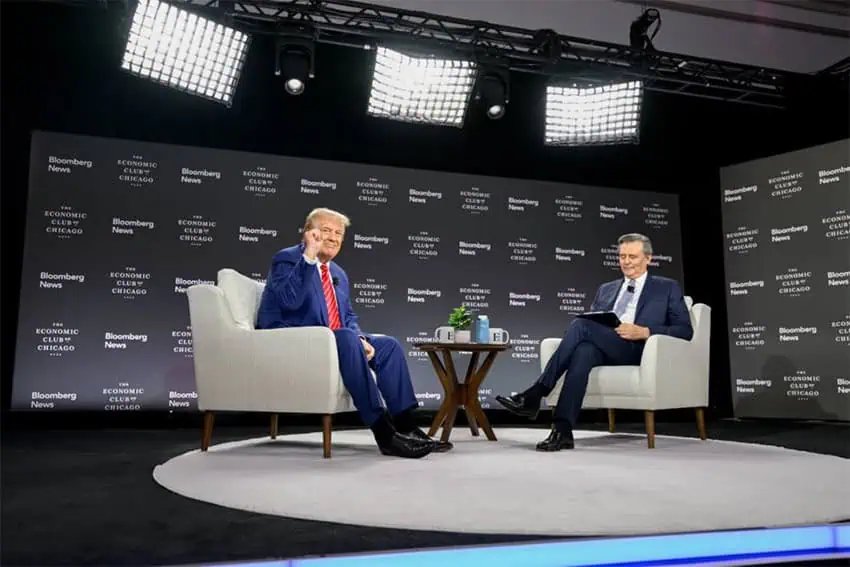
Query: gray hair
[637,237]
[323,212]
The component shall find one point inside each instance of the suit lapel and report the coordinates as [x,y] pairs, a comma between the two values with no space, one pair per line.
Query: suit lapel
[644,295]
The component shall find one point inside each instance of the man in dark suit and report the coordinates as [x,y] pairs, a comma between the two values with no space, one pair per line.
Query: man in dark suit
[646,305]
[306,288]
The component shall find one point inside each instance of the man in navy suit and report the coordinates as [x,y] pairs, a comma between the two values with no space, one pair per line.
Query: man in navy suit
[646,305]
[306,288]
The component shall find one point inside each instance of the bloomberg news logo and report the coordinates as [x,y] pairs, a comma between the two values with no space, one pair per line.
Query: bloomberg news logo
[118,340]
[423,295]
[738,193]
[58,280]
[64,166]
[129,227]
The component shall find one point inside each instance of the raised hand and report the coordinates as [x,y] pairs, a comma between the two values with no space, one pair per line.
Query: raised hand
[312,243]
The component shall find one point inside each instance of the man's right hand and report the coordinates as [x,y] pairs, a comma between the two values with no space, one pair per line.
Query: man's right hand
[312,243]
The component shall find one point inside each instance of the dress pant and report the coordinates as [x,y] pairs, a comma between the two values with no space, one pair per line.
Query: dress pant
[390,366]
[585,344]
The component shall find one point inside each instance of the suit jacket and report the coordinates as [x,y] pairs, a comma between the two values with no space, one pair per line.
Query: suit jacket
[661,306]
[293,295]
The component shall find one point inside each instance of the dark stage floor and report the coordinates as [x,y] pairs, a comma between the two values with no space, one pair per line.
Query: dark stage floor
[86,496]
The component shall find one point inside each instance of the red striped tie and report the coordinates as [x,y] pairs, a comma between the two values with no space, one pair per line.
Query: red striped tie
[330,299]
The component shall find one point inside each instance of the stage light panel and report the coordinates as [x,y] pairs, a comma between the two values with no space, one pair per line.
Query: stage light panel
[420,89]
[185,51]
[598,115]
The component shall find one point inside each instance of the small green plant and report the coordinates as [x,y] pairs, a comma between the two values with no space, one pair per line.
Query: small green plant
[460,318]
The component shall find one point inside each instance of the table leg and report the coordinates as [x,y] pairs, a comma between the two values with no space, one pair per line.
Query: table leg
[455,395]
[470,372]
[473,405]
[448,393]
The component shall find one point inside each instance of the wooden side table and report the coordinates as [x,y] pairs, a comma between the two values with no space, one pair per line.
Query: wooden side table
[457,393]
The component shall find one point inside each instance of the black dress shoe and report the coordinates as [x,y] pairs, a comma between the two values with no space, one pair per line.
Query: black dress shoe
[439,446]
[405,446]
[521,405]
[557,441]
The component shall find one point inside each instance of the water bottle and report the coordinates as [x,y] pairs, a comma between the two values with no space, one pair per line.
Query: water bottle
[482,329]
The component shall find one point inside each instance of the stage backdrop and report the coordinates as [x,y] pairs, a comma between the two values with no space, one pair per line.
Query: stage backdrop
[118,230]
[787,243]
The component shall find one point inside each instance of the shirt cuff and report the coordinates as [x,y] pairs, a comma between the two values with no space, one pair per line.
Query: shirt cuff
[309,261]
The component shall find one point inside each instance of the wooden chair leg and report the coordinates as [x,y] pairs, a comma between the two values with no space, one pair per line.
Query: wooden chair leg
[610,420]
[273,427]
[649,419]
[701,422]
[326,435]
[206,434]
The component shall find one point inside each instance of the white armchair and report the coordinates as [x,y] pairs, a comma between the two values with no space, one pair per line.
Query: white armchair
[240,368]
[673,373]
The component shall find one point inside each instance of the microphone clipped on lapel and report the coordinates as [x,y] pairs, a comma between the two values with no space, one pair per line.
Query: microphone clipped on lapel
[335,281]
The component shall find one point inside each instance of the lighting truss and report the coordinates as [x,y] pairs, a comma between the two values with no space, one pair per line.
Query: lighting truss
[353,23]
[180,49]
[582,116]
[420,89]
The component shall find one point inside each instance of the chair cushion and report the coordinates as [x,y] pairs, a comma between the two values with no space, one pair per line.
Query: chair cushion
[243,296]
[614,380]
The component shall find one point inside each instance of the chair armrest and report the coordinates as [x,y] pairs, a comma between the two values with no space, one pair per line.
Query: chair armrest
[673,372]
[293,369]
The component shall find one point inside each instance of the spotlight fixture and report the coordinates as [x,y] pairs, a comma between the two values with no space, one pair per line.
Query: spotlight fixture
[598,115]
[294,59]
[179,49]
[493,91]
[420,89]
[639,37]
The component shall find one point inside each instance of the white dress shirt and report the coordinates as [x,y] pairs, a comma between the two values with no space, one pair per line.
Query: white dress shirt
[631,308]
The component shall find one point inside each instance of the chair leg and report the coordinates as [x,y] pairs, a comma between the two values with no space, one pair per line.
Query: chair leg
[206,434]
[326,435]
[701,422]
[273,427]
[610,420]
[649,419]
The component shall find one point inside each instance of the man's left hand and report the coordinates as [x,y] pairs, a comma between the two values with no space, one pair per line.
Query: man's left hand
[632,332]
[370,350]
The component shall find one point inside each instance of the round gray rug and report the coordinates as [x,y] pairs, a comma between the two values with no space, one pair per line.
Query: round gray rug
[611,484]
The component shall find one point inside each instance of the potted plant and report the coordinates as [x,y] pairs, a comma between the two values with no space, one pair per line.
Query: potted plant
[461,320]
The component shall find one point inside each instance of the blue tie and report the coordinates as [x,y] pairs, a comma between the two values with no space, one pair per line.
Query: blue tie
[623,302]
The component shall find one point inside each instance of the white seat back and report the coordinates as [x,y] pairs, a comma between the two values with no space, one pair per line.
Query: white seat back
[243,296]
